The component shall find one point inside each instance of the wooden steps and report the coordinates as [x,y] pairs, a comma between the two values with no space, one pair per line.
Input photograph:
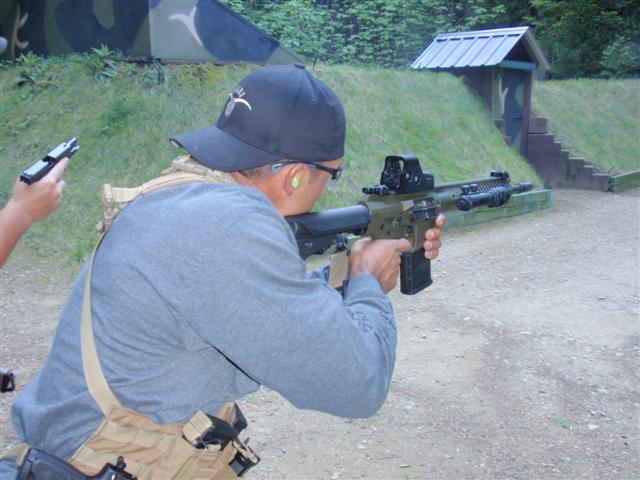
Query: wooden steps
[555,164]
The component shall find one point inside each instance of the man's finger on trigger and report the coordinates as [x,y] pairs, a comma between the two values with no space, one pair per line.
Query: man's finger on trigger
[440,220]
[56,171]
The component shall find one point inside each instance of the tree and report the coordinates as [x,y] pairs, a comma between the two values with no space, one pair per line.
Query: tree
[575,33]
[580,37]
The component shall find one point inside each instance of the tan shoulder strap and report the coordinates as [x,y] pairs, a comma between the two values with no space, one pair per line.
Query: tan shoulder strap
[183,170]
[93,375]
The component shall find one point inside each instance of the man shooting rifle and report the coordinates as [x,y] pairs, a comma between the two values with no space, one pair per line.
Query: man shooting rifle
[197,296]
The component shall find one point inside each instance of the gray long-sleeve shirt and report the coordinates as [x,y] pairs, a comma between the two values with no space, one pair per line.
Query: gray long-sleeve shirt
[199,297]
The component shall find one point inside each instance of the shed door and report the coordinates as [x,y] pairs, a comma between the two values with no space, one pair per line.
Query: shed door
[513,93]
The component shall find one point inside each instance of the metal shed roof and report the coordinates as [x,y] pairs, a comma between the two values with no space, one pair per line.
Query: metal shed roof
[480,48]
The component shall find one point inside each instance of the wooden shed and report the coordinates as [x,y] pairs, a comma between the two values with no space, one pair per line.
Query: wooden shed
[499,64]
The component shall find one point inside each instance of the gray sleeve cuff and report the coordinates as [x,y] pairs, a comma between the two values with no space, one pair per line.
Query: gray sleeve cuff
[363,282]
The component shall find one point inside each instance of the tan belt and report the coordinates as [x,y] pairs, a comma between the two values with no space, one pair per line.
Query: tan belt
[17,452]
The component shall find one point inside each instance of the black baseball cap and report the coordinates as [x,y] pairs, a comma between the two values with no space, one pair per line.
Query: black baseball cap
[275,112]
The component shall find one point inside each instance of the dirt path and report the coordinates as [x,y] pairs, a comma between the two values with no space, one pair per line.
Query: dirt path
[521,361]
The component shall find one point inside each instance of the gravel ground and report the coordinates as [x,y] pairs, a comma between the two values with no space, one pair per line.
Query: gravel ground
[520,362]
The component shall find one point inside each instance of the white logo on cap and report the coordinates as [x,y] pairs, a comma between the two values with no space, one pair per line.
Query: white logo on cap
[236,97]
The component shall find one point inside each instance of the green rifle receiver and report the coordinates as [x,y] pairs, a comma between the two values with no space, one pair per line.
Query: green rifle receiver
[405,204]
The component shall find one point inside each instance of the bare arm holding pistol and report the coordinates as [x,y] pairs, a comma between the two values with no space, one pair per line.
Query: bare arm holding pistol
[29,204]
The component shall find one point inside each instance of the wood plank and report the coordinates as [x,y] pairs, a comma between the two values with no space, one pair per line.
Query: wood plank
[624,181]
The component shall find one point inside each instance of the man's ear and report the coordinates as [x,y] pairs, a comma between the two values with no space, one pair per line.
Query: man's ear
[295,176]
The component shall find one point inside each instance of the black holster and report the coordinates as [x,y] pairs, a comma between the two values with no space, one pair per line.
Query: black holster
[39,465]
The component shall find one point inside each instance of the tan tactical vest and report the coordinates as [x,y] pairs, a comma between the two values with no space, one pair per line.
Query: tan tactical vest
[150,451]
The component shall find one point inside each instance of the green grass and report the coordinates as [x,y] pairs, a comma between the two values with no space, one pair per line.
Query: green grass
[428,114]
[123,124]
[596,119]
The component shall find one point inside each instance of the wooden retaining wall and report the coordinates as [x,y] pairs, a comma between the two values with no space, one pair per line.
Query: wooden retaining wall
[624,181]
[558,168]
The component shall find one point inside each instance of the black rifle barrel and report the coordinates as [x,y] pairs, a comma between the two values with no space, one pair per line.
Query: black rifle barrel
[493,197]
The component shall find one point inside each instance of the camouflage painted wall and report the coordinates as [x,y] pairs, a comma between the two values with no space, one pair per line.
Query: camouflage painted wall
[171,30]
[9,22]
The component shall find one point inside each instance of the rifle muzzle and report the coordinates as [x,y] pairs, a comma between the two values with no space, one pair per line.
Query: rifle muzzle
[494,197]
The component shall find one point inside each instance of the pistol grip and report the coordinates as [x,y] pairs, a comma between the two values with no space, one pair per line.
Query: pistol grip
[415,272]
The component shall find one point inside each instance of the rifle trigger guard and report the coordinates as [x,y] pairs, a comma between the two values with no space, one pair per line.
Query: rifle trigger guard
[342,243]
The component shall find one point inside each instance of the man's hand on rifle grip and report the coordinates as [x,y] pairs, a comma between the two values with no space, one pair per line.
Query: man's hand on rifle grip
[432,241]
[379,258]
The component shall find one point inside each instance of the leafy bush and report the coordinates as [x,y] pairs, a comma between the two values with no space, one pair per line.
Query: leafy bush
[102,63]
[116,117]
[621,58]
[153,75]
[32,70]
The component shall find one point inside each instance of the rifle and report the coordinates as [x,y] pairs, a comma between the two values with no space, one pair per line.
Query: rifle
[404,204]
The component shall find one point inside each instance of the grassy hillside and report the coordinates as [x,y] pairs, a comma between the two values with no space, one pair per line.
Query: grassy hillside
[597,119]
[123,115]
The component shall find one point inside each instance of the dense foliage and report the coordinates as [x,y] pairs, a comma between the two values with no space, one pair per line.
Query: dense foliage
[581,38]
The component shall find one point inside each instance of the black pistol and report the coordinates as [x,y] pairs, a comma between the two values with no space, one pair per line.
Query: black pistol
[40,168]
